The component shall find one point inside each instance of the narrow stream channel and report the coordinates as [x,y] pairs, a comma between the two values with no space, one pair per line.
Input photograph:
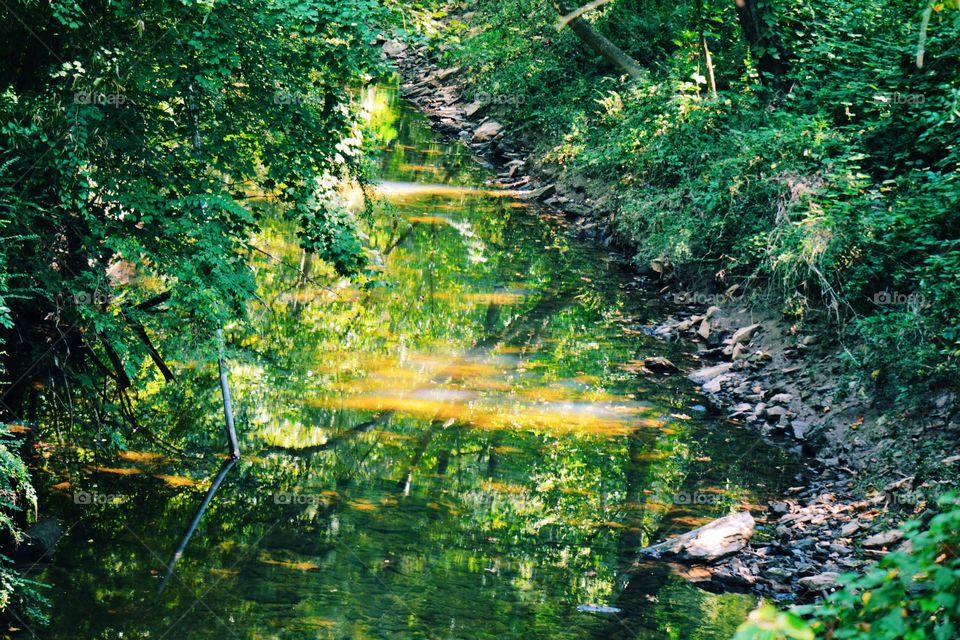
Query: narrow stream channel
[461,445]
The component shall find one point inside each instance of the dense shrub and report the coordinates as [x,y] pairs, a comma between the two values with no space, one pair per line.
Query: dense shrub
[838,186]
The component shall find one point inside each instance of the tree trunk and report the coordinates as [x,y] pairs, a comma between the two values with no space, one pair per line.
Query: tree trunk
[601,45]
[756,26]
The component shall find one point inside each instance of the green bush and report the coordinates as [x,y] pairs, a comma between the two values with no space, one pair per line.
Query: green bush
[840,192]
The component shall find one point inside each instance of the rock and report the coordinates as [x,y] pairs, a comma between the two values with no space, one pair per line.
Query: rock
[735,574]
[781,398]
[704,330]
[883,539]
[779,508]
[394,48]
[744,334]
[799,428]
[541,194]
[740,409]
[38,541]
[709,543]
[776,412]
[443,74]
[712,311]
[709,373]
[660,365]
[715,385]
[487,131]
[819,582]
[472,109]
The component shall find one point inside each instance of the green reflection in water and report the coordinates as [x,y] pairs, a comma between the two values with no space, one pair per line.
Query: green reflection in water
[459,445]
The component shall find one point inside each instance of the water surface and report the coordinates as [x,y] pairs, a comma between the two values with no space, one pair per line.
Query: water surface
[462,444]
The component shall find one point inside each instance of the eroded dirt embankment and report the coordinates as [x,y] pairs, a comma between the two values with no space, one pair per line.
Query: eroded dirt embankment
[758,369]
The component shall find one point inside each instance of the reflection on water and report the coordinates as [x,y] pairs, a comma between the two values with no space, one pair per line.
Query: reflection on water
[459,445]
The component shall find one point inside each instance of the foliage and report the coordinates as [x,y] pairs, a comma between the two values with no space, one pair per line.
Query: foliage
[911,594]
[840,190]
[16,497]
[139,141]
[136,139]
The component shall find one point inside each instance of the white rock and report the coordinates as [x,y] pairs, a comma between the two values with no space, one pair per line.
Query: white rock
[703,376]
[710,542]
[488,130]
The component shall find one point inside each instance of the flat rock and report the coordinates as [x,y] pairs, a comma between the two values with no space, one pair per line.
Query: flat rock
[883,539]
[714,386]
[659,365]
[541,194]
[819,582]
[703,376]
[394,48]
[472,109]
[744,334]
[487,131]
[709,543]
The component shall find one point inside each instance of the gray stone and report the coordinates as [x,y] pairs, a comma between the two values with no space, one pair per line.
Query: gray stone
[709,543]
[819,582]
[487,131]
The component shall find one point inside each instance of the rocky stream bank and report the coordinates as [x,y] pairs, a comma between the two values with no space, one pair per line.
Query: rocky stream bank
[757,368]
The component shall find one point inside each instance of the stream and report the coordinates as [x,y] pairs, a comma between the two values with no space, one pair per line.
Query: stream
[463,443]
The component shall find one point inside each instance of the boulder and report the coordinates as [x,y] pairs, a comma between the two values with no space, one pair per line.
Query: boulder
[487,131]
[703,376]
[709,543]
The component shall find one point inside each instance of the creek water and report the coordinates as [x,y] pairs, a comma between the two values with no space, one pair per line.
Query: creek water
[461,444]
